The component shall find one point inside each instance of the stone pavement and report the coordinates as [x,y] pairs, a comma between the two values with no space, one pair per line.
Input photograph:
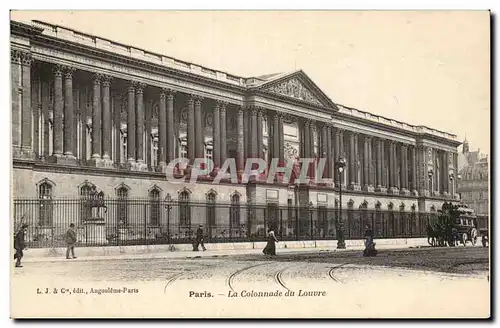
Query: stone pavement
[162,252]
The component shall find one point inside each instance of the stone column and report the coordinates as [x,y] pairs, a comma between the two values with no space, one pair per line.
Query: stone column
[337,153]
[68,113]
[240,160]
[46,119]
[259,133]
[139,128]
[191,128]
[414,184]
[223,132]
[162,131]
[216,137]
[27,119]
[324,150]
[352,161]
[199,132]
[357,163]
[148,133]
[366,171]
[254,149]
[392,168]
[281,135]
[446,176]
[117,118]
[131,125]
[424,155]
[307,139]
[96,120]
[171,135]
[312,127]
[404,169]
[329,152]
[246,132]
[371,168]
[16,96]
[36,106]
[275,137]
[378,168]
[106,121]
[57,147]
[397,174]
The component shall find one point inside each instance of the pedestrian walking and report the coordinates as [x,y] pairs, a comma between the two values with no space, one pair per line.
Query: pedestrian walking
[270,248]
[199,239]
[70,241]
[19,244]
[369,244]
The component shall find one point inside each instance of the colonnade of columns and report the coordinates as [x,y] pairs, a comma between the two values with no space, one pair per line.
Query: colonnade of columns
[373,164]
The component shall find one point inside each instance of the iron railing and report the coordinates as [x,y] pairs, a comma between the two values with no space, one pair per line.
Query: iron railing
[155,221]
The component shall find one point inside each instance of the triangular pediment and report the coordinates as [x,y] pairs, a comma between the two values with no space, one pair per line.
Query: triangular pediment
[298,86]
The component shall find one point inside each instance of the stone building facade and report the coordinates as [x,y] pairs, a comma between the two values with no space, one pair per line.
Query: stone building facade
[87,111]
[473,184]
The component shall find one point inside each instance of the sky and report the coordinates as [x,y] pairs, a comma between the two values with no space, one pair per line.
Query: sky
[420,67]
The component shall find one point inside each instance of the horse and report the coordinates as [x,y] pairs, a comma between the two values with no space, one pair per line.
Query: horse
[432,235]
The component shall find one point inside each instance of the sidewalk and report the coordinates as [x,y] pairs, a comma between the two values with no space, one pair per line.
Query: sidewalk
[58,255]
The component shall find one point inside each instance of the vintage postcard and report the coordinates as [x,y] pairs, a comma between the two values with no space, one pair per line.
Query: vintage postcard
[250,164]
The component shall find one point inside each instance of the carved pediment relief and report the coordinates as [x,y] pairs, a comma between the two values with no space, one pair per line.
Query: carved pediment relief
[294,88]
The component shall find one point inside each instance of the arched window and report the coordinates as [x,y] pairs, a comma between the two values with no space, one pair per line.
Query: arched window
[45,218]
[235,215]
[154,207]
[184,210]
[122,205]
[211,196]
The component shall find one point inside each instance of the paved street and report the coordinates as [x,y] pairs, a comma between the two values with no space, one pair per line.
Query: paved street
[356,284]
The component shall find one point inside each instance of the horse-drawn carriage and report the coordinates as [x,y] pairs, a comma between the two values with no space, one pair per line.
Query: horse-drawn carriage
[455,224]
[466,229]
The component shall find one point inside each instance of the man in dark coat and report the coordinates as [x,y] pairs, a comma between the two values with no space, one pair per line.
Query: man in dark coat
[199,239]
[70,241]
[19,244]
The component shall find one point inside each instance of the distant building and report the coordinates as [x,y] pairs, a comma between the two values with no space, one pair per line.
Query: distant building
[473,179]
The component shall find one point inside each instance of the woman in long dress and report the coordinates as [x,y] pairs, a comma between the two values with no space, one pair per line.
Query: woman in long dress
[270,248]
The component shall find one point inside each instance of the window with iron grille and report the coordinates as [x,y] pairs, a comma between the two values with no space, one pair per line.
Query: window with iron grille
[45,203]
[377,229]
[122,205]
[210,212]
[235,211]
[290,214]
[154,207]
[322,221]
[184,209]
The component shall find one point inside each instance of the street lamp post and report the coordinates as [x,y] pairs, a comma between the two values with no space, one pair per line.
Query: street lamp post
[168,206]
[339,166]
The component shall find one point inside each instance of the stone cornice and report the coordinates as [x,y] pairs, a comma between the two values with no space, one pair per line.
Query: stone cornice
[56,50]
[24,29]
